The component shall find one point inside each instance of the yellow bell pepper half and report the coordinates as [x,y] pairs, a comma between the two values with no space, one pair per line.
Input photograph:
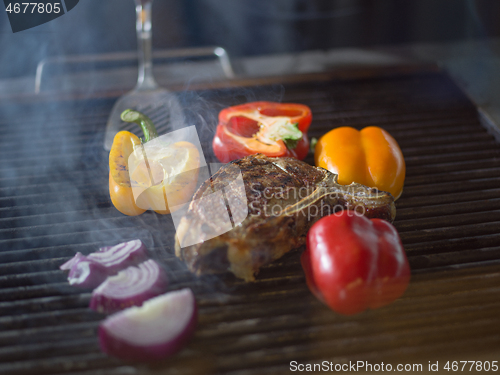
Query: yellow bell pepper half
[371,157]
[168,179]
[174,170]
[120,190]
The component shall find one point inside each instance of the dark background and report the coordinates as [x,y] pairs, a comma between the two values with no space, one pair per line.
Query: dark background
[247,27]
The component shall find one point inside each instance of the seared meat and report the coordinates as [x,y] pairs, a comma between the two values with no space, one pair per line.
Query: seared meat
[284,198]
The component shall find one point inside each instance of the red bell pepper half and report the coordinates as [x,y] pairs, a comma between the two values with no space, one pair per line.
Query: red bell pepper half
[353,263]
[272,129]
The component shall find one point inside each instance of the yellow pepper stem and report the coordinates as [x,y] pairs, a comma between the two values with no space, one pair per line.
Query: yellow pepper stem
[147,126]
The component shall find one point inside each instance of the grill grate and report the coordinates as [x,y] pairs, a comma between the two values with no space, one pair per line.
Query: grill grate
[54,202]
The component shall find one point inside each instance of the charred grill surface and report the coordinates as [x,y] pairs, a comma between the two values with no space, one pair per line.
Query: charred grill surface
[285,198]
[54,202]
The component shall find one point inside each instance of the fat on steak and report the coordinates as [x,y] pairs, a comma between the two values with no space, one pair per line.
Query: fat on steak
[285,197]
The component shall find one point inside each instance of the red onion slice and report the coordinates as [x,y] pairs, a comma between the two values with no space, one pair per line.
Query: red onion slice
[130,287]
[120,256]
[105,262]
[87,274]
[104,248]
[156,330]
[70,263]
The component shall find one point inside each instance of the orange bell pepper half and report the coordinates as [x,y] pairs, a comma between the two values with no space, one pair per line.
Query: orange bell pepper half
[371,157]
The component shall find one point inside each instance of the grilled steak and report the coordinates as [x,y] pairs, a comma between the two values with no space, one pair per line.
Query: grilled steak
[284,198]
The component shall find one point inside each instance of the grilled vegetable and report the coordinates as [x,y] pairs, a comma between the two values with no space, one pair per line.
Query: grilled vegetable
[370,157]
[272,129]
[91,270]
[70,263]
[87,274]
[353,263]
[124,143]
[156,330]
[161,170]
[120,256]
[130,287]
[167,176]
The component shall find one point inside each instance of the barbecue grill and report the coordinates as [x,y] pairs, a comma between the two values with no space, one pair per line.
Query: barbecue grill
[54,202]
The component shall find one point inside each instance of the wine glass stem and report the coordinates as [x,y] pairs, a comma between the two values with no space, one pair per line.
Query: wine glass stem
[145,79]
